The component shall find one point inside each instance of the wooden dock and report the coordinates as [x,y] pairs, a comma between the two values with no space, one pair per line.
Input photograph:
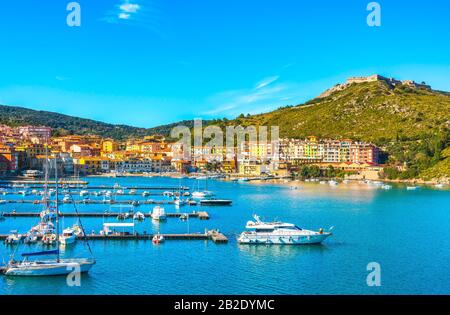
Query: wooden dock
[215,237]
[202,215]
[96,202]
[112,188]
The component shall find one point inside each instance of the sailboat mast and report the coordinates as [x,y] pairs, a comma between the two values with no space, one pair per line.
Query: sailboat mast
[57,210]
[46,177]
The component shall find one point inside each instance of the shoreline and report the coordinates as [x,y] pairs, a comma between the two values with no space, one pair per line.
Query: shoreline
[228,177]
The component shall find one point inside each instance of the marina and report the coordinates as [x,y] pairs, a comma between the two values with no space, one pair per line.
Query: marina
[184,246]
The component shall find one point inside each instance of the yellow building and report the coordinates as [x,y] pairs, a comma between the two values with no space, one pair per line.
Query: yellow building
[109,146]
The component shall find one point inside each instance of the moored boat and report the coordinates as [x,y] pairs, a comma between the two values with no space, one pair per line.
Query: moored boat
[158,214]
[215,202]
[139,216]
[279,233]
[157,239]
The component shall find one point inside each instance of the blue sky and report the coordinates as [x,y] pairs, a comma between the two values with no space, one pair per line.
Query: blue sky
[149,62]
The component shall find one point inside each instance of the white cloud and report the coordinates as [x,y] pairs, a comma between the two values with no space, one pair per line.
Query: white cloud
[124,16]
[122,12]
[266,82]
[265,94]
[130,7]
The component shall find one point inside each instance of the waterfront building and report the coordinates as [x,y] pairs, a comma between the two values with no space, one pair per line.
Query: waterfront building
[8,160]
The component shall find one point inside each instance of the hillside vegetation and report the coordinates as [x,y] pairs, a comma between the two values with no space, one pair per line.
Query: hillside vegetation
[410,124]
[64,124]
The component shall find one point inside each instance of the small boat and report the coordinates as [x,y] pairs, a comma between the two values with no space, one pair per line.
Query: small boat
[279,233]
[49,239]
[119,192]
[145,194]
[202,194]
[68,236]
[215,202]
[184,216]
[135,203]
[243,179]
[139,216]
[386,186]
[30,238]
[77,230]
[322,182]
[3,201]
[158,214]
[106,231]
[13,238]
[186,194]
[333,183]
[168,194]
[84,193]
[2,216]
[412,187]
[132,191]
[192,202]
[158,239]
[439,186]
[179,202]
[345,181]
[66,199]
[43,227]
[47,215]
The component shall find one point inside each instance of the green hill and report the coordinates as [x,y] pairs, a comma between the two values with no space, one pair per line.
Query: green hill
[64,124]
[410,124]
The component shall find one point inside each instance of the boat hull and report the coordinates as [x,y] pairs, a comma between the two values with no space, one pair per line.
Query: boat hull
[283,239]
[50,268]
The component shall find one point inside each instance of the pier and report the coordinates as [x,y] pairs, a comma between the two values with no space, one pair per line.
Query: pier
[84,187]
[135,203]
[214,236]
[202,215]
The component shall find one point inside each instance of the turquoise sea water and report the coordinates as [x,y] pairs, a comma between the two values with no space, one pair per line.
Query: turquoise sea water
[406,232]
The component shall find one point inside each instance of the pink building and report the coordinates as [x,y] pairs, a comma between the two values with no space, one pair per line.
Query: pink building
[40,132]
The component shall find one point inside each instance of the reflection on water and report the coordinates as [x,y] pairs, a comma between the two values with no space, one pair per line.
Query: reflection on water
[280,251]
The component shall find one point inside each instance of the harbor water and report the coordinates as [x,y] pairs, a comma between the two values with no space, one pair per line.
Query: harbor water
[406,232]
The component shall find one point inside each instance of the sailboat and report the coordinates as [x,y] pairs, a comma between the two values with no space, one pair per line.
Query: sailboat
[50,267]
[202,194]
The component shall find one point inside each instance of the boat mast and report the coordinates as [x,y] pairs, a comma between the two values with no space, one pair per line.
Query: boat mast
[57,210]
[46,177]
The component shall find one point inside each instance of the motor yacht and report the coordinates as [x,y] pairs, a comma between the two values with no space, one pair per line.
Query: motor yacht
[259,232]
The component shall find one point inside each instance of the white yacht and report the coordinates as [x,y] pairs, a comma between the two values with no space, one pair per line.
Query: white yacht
[202,194]
[68,236]
[279,233]
[158,214]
